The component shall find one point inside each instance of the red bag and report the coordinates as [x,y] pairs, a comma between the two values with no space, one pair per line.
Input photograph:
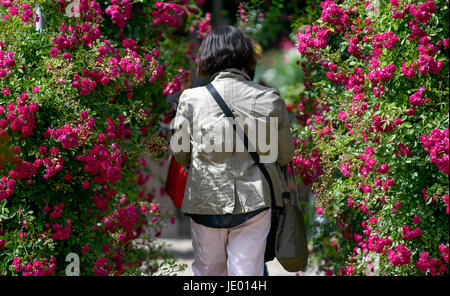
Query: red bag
[176,182]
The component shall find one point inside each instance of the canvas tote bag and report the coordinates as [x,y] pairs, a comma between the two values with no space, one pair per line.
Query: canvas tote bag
[291,242]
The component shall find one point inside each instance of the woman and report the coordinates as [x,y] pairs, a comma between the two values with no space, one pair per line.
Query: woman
[227,196]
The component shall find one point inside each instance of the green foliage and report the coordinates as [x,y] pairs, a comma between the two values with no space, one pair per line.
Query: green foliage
[96,183]
[347,236]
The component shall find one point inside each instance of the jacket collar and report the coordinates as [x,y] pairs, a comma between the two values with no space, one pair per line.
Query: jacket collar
[230,73]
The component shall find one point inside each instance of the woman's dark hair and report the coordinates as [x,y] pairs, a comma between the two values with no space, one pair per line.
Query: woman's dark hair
[225,47]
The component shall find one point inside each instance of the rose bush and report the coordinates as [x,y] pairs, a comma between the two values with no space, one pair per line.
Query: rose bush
[373,135]
[80,103]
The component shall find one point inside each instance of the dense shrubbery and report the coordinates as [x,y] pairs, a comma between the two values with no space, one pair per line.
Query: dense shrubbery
[82,100]
[79,103]
[373,136]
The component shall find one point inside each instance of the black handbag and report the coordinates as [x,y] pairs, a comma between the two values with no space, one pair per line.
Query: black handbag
[269,254]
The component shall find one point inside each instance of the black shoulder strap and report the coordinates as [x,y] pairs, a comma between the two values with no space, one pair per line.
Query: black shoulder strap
[228,113]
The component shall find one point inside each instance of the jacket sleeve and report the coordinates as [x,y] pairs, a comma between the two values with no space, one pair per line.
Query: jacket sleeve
[286,147]
[180,142]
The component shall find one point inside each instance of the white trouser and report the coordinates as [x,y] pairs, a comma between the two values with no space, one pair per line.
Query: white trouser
[237,251]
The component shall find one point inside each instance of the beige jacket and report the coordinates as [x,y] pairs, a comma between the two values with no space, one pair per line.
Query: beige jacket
[229,181]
